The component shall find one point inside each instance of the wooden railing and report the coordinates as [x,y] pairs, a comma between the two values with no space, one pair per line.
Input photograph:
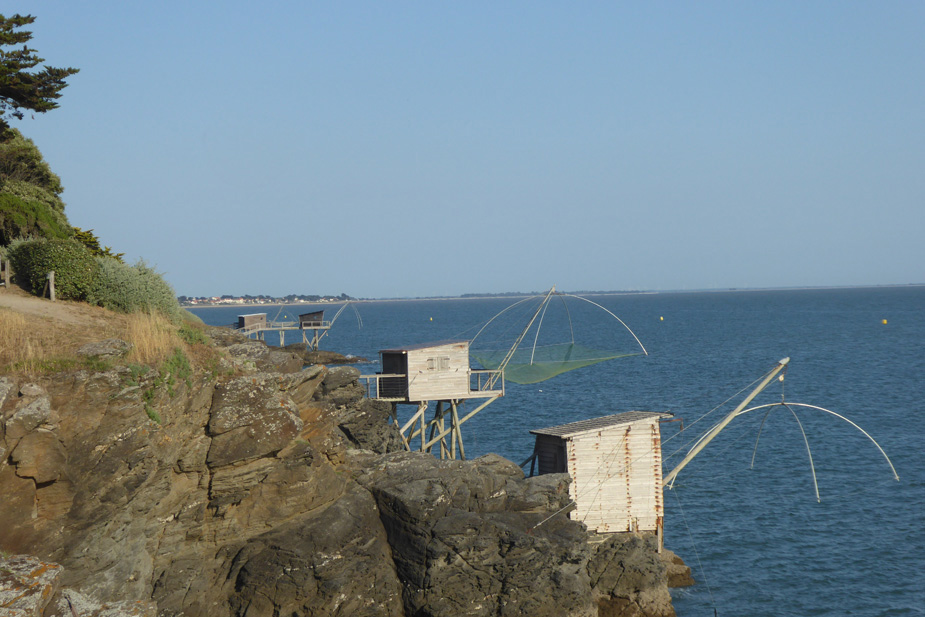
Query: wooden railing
[480,381]
[374,386]
[486,380]
[279,325]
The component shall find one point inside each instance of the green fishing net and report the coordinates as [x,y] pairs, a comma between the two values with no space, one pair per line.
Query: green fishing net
[535,364]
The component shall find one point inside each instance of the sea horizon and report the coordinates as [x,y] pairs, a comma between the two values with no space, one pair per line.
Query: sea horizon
[517,294]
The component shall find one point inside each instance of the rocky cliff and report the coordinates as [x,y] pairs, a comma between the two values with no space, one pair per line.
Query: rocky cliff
[261,489]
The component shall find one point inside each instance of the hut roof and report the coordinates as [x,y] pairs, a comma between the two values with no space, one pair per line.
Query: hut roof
[422,346]
[594,424]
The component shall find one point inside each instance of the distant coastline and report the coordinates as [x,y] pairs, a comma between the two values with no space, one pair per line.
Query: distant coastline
[226,301]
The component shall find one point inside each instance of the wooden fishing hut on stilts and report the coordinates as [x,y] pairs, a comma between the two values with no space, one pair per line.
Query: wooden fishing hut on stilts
[433,372]
[440,372]
[257,324]
[615,463]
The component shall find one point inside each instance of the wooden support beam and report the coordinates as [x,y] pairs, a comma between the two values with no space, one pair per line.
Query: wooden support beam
[422,407]
[423,440]
[440,426]
[467,416]
[668,480]
[433,424]
[456,423]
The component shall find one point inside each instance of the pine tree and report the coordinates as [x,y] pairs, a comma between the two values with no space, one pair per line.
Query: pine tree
[21,87]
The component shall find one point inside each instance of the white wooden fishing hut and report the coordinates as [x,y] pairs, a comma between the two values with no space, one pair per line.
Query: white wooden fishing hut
[433,372]
[615,463]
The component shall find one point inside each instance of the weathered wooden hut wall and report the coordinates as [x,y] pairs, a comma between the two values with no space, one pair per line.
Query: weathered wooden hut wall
[617,477]
[310,320]
[439,372]
[252,319]
[646,507]
[551,454]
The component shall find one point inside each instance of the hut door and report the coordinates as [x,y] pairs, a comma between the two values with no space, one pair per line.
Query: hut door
[394,387]
[561,458]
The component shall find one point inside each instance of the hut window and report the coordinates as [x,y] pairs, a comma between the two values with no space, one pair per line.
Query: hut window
[438,364]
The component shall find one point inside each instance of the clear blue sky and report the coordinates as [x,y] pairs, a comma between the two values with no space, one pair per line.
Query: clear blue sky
[390,149]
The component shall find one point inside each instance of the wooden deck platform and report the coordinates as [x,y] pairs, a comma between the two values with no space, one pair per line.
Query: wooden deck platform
[259,329]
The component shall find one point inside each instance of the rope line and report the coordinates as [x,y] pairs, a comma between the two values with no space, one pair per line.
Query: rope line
[703,572]
[609,457]
[719,406]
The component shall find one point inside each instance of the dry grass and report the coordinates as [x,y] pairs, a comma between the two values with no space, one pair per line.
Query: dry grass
[33,344]
[15,343]
[154,338]
[30,344]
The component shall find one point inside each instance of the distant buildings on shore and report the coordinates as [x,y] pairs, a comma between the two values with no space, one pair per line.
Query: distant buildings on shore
[228,300]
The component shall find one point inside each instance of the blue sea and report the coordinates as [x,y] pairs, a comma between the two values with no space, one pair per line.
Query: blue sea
[757,539]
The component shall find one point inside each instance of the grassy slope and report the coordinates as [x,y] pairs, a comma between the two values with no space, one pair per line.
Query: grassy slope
[40,336]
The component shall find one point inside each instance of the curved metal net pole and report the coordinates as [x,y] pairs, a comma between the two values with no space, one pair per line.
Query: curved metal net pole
[829,411]
[812,467]
[641,346]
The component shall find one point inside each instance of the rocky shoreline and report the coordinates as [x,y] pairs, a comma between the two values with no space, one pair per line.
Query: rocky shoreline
[266,489]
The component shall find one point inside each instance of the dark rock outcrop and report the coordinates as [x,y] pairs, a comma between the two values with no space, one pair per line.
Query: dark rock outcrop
[477,538]
[322,356]
[275,490]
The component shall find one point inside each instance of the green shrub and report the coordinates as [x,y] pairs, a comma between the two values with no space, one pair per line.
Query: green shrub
[175,368]
[192,335]
[153,415]
[24,218]
[92,242]
[21,160]
[190,317]
[32,193]
[75,269]
[129,289]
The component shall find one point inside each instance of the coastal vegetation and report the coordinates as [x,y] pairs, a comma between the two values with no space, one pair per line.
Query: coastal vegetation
[131,289]
[35,235]
[30,193]
[37,344]
[74,266]
[22,88]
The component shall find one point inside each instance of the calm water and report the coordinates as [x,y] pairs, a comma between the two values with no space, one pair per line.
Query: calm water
[758,541]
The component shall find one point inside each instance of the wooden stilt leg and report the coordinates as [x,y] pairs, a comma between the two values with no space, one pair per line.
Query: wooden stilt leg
[462,450]
[423,434]
[435,423]
[443,450]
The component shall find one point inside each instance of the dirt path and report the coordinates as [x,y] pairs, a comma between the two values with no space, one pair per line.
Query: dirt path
[76,313]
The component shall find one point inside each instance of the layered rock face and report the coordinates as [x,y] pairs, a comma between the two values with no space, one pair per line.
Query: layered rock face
[280,491]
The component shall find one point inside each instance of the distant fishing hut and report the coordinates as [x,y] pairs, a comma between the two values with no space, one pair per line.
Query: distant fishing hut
[615,463]
[440,372]
[252,321]
[315,319]
[257,324]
